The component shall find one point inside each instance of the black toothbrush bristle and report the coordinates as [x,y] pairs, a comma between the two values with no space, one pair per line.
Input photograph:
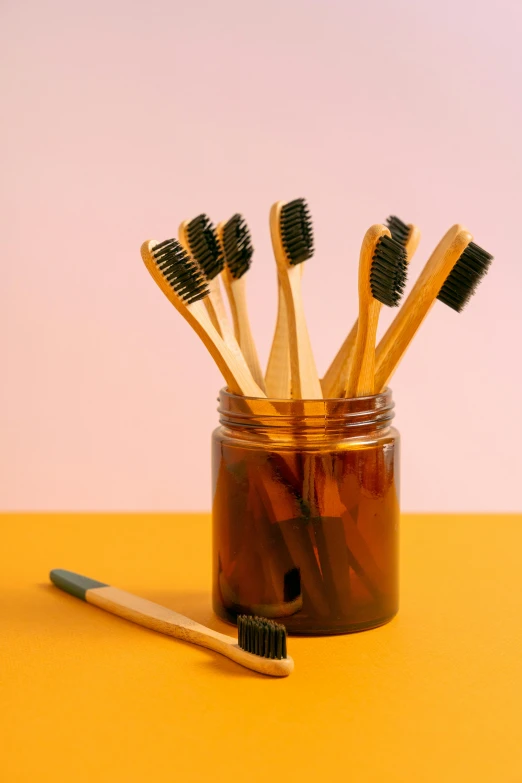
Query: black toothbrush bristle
[237,246]
[204,246]
[399,230]
[296,231]
[262,637]
[388,272]
[465,276]
[180,272]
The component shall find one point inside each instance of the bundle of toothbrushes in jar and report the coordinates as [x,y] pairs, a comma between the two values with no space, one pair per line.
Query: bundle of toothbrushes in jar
[305,499]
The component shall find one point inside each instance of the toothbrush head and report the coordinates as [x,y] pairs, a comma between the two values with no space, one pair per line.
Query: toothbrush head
[388,271]
[462,281]
[237,246]
[295,224]
[204,245]
[174,271]
[262,637]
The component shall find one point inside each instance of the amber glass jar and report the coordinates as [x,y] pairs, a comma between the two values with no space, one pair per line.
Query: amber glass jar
[306,512]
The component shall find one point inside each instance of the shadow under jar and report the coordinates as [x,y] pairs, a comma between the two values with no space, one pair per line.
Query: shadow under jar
[306,512]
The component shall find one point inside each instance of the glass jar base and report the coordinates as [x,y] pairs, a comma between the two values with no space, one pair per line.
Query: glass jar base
[304,626]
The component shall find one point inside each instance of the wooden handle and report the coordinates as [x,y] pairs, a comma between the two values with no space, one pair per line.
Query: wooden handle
[278,371]
[305,380]
[227,279]
[236,293]
[334,380]
[245,337]
[228,358]
[416,307]
[412,242]
[216,300]
[361,378]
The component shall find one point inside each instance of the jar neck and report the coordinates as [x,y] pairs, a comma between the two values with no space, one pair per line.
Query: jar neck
[279,420]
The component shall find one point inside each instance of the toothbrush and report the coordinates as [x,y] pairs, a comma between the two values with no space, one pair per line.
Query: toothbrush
[261,643]
[406,234]
[292,241]
[236,244]
[382,275]
[409,237]
[183,284]
[199,238]
[451,275]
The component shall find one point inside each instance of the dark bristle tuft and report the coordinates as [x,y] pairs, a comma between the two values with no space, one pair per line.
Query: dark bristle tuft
[180,272]
[237,245]
[262,637]
[399,230]
[388,272]
[296,231]
[465,276]
[204,246]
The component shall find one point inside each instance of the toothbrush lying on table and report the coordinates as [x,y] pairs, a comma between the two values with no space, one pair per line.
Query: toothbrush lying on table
[261,644]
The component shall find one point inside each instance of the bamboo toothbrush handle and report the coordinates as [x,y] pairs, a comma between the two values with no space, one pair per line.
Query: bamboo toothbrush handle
[242,328]
[137,610]
[227,282]
[166,621]
[212,313]
[224,326]
[412,243]
[302,363]
[361,379]
[157,618]
[361,376]
[227,356]
[277,376]
[419,302]
[332,383]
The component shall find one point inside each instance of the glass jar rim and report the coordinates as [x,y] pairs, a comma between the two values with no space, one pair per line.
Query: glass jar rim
[235,409]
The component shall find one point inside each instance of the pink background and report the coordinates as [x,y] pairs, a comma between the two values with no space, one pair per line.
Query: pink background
[125,117]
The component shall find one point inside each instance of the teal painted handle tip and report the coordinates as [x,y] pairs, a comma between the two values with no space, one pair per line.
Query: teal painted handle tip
[72,583]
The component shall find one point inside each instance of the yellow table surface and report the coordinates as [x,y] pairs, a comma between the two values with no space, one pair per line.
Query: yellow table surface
[436,695]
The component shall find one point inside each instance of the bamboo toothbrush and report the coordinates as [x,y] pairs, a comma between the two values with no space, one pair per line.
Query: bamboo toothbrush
[261,645]
[382,275]
[292,241]
[332,384]
[183,284]
[451,274]
[199,238]
[236,244]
